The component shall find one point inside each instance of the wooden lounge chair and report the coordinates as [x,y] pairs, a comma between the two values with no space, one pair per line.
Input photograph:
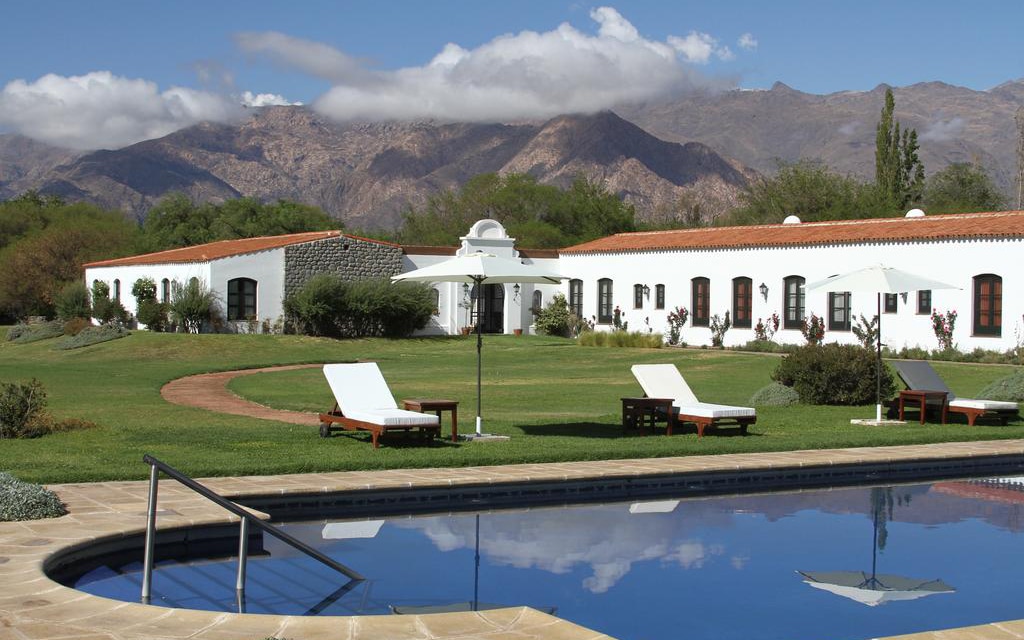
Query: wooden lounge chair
[919,375]
[364,402]
[665,381]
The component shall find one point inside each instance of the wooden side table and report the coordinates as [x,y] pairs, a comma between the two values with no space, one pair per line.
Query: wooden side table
[920,397]
[437,406]
[636,411]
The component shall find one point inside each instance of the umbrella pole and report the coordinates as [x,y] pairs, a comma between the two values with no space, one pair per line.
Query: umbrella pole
[479,349]
[878,363]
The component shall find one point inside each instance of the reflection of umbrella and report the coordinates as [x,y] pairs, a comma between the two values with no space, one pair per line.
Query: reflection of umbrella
[480,269]
[878,279]
[874,590]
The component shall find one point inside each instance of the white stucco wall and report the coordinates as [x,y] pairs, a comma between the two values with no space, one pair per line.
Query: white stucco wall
[955,262]
[129,274]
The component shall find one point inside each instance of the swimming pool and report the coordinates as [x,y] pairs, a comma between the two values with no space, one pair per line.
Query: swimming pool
[726,567]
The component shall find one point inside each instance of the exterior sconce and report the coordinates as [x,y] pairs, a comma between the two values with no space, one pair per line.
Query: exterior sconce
[515,292]
[647,291]
[764,291]
[465,291]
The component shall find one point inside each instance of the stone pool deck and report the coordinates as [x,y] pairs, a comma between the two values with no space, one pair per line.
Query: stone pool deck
[33,607]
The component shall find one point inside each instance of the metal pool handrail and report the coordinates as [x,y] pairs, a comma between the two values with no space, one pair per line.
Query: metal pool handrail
[156,466]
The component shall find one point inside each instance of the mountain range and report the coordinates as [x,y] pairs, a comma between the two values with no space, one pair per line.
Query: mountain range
[701,149]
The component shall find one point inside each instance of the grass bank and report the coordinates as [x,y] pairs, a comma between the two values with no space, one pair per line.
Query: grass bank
[556,400]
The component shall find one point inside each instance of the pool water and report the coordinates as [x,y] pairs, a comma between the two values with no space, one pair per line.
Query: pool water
[950,554]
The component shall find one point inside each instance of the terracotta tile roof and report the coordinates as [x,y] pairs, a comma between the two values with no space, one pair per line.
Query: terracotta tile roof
[225,248]
[998,224]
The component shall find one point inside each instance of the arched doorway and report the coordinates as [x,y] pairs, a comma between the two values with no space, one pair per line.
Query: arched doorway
[490,308]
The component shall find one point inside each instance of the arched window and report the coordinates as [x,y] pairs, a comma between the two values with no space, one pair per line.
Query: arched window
[793,302]
[538,301]
[241,299]
[742,299]
[116,293]
[839,311]
[604,301]
[576,297]
[659,296]
[988,305]
[165,290]
[700,314]
[638,296]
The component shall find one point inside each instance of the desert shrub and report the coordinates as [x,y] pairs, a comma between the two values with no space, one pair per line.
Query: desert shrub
[193,305]
[833,374]
[760,346]
[24,501]
[636,339]
[329,306]
[22,409]
[74,326]
[153,314]
[73,302]
[93,335]
[775,395]
[1010,388]
[555,319]
[25,333]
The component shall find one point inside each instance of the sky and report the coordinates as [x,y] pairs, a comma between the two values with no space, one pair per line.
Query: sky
[109,73]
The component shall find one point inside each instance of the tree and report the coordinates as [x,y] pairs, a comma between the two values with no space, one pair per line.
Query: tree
[807,189]
[962,187]
[899,173]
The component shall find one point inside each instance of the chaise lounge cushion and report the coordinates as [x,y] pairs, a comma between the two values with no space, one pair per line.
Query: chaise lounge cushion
[393,417]
[714,411]
[983,405]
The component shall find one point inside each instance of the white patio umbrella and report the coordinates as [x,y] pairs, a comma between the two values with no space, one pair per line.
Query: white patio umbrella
[878,279]
[480,269]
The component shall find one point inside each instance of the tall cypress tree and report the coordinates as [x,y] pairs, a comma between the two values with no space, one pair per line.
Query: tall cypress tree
[899,173]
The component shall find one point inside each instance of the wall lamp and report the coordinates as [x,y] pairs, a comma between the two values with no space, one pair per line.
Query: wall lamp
[764,291]
[515,292]
[647,291]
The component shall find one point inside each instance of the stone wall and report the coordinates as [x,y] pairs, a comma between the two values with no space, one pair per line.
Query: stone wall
[350,258]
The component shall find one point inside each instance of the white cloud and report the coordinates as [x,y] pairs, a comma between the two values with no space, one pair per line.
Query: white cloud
[747,41]
[698,48]
[250,99]
[99,110]
[514,76]
[942,130]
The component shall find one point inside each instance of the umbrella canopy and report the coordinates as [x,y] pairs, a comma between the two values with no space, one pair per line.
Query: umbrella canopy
[878,279]
[874,590]
[479,269]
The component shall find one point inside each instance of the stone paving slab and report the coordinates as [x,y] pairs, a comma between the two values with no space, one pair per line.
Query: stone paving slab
[33,607]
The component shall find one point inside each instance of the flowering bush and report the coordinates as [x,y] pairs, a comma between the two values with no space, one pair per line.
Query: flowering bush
[718,328]
[866,331]
[617,320]
[943,325]
[766,331]
[813,329]
[676,320]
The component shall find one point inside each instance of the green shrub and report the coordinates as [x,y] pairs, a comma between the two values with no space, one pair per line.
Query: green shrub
[775,395]
[24,501]
[73,302]
[193,305]
[833,374]
[22,409]
[555,319]
[153,314]
[636,339]
[25,333]
[93,335]
[1010,388]
[329,306]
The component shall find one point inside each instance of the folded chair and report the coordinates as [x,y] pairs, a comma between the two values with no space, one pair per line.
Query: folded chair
[364,402]
[919,375]
[665,381]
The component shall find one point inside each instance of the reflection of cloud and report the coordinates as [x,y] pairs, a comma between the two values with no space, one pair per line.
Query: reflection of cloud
[608,540]
[525,75]
[943,130]
[100,110]
[739,562]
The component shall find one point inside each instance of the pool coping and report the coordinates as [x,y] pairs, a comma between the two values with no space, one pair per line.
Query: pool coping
[33,607]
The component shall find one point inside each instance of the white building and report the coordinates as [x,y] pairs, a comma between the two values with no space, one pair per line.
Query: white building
[751,272]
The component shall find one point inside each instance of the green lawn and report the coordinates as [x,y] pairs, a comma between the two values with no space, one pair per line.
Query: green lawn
[556,400]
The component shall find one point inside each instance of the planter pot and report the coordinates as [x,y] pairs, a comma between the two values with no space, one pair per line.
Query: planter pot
[466,330]
[517,332]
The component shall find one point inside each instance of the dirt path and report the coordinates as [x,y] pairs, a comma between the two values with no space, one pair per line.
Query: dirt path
[210,391]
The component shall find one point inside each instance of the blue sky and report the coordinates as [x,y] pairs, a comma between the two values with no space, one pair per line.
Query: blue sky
[171,64]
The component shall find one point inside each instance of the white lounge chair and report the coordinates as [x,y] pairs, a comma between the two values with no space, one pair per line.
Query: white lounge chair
[364,401]
[919,375]
[665,381]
